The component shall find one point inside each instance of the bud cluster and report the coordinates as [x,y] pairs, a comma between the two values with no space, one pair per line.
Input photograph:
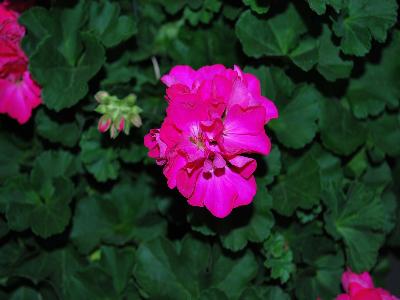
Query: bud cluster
[117,114]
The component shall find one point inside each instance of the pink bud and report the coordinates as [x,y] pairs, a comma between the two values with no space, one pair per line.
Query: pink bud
[104,124]
[121,124]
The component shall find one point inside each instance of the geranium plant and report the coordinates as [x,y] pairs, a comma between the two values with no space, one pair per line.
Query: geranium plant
[205,149]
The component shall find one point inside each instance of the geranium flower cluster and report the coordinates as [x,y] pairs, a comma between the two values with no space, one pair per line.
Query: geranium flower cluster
[361,287]
[19,93]
[214,116]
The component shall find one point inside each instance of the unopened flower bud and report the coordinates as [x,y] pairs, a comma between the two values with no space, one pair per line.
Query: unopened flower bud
[101,95]
[121,124]
[104,124]
[118,114]
[136,121]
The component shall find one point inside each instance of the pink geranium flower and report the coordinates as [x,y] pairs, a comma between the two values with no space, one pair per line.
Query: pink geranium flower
[361,287]
[19,93]
[214,116]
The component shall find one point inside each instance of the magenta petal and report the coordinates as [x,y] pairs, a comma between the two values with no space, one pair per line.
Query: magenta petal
[157,148]
[244,131]
[240,95]
[170,134]
[358,281]
[246,166]
[271,112]
[343,297]
[179,74]
[175,163]
[208,72]
[253,84]
[222,191]
[247,189]
[217,193]
[186,181]
[185,109]
[219,162]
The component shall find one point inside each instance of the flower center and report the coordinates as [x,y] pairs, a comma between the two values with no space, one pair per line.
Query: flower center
[198,142]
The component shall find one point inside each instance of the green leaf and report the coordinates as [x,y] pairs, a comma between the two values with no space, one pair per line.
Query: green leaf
[330,64]
[63,84]
[330,167]
[42,202]
[278,258]
[306,241]
[321,279]
[124,214]
[378,177]
[385,134]
[357,165]
[134,154]
[258,228]
[297,123]
[264,293]
[275,84]
[118,71]
[25,293]
[390,205]
[118,263]
[278,37]
[273,162]
[65,58]
[204,14]
[72,277]
[99,161]
[340,131]
[161,274]
[319,6]
[45,211]
[358,218]
[231,12]
[300,187]
[53,164]
[305,55]
[377,88]
[250,224]
[11,155]
[363,21]
[66,134]
[256,6]
[109,26]
[173,6]
[198,47]
[4,230]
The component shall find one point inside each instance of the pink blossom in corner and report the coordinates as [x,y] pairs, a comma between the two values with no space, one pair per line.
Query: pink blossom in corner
[19,93]
[214,116]
[361,287]
[18,98]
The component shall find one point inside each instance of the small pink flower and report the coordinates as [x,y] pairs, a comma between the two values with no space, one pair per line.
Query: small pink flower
[214,116]
[361,287]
